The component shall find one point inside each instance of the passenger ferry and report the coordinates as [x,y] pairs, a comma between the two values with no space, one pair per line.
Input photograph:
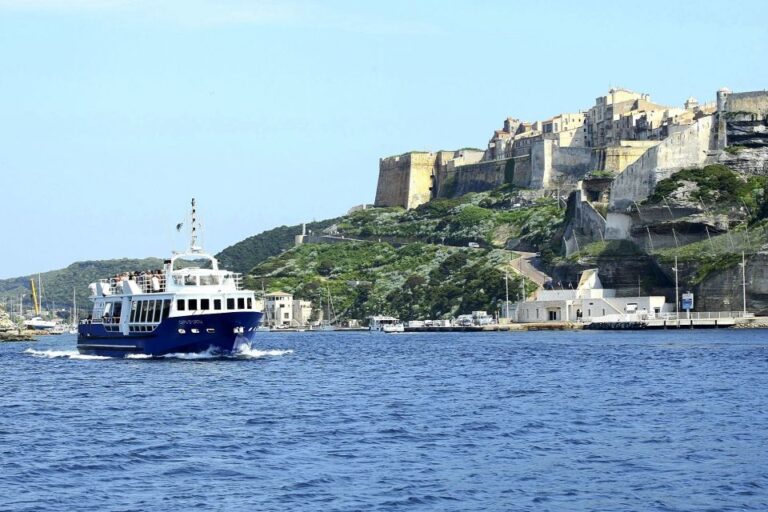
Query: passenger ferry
[190,305]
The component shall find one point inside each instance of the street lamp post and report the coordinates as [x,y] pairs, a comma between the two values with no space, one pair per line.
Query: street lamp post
[743,284]
[506,290]
[677,293]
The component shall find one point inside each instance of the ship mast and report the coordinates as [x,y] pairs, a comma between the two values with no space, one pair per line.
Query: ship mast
[193,235]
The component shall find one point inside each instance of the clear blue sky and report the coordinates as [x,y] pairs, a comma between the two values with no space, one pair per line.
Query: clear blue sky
[114,113]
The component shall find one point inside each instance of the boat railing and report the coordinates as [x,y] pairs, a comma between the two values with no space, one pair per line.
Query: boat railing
[142,283]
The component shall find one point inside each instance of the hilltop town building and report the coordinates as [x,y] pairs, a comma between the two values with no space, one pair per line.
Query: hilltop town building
[624,130]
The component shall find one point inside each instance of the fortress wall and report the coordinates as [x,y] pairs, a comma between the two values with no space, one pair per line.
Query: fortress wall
[394,176]
[755,102]
[688,148]
[522,174]
[405,180]
[617,226]
[477,177]
[618,158]
[541,163]
[420,179]
[570,164]
[586,222]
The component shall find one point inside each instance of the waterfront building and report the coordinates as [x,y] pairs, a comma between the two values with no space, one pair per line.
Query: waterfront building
[302,311]
[589,301]
[282,310]
[278,309]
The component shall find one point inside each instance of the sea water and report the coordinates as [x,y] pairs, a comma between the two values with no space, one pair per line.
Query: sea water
[663,420]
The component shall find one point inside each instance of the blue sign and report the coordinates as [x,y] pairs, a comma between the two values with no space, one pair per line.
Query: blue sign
[688,301]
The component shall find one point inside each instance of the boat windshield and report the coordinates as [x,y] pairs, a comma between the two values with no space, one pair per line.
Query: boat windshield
[191,261]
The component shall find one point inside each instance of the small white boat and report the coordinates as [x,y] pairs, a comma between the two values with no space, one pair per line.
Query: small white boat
[38,324]
[388,324]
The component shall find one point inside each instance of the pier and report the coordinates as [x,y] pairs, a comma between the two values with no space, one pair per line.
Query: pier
[698,320]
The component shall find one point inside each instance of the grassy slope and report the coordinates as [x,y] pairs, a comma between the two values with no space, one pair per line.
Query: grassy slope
[422,278]
[244,255]
[413,281]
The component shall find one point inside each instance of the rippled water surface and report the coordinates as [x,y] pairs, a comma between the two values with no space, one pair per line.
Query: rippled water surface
[356,421]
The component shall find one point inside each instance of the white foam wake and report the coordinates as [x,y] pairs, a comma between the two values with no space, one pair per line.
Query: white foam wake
[253,353]
[66,354]
[243,351]
[207,354]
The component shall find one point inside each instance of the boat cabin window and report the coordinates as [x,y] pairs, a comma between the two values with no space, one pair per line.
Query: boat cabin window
[205,304]
[250,303]
[145,311]
[240,303]
[180,305]
[217,304]
[148,312]
[192,303]
[230,303]
[109,307]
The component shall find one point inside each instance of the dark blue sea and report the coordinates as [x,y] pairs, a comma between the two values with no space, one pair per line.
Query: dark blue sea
[539,421]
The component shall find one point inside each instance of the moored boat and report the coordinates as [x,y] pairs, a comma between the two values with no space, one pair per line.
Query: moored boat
[38,324]
[388,324]
[188,306]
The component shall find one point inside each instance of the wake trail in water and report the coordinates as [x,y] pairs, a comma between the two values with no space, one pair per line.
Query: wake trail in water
[244,352]
[254,353]
[62,354]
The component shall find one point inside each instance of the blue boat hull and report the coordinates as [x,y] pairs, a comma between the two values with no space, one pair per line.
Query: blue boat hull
[184,334]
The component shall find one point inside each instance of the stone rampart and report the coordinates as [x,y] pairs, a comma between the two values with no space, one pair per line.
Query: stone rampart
[755,102]
[570,165]
[618,158]
[585,223]
[521,171]
[477,177]
[688,148]
[405,180]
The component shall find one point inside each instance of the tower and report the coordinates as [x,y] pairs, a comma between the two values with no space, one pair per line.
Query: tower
[722,105]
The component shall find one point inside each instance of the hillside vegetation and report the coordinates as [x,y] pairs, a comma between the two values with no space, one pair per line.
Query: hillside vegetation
[58,285]
[429,272]
[490,219]
[413,281]
[244,255]
[715,187]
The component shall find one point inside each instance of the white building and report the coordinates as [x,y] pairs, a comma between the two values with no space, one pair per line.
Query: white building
[588,302]
[282,310]
[302,311]
[278,309]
